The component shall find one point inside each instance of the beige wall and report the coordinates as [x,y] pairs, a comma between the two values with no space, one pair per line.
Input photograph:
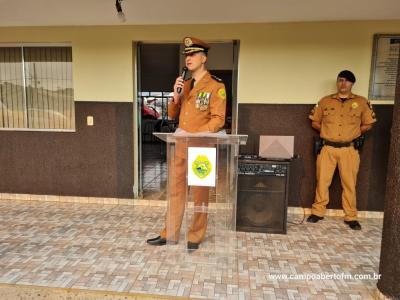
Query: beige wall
[278,63]
[221,57]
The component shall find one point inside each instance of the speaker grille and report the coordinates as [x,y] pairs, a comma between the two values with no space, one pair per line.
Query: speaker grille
[262,201]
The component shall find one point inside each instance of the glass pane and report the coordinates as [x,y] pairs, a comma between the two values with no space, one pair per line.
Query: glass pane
[48,77]
[12,103]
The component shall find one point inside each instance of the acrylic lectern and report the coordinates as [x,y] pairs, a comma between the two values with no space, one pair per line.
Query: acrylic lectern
[201,194]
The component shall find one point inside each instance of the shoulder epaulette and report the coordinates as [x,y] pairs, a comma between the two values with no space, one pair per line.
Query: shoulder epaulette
[216,78]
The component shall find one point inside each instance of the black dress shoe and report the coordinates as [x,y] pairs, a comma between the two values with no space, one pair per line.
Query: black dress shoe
[157,241]
[353,225]
[192,246]
[314,218]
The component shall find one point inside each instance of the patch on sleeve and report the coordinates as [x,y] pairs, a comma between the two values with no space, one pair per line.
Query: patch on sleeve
[312,113]
[222,93]
[313,110]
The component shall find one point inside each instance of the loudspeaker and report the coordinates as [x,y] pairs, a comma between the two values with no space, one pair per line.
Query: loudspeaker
[262,197]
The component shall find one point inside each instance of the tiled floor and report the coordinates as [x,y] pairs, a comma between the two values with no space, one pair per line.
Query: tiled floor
[88,246]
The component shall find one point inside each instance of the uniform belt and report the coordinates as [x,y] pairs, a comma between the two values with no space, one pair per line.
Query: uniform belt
[338,145]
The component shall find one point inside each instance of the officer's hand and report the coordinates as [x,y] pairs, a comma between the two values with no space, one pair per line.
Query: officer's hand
[178,84]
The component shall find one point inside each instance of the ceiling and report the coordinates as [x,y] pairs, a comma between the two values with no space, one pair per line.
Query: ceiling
[103,12]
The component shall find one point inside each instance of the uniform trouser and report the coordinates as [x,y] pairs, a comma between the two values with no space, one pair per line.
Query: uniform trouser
[177,186]
[348,161]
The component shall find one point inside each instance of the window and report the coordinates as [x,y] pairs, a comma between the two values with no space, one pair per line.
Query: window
[36,91]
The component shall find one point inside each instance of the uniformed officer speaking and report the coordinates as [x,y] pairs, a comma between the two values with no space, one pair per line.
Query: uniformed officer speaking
[200,107]
[340,118]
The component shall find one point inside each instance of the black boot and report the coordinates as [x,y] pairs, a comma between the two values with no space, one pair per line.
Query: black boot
[314,219]
[192,246]
[353,225]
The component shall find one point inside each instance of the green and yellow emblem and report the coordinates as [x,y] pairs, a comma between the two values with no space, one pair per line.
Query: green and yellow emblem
[201,166]
[354,105]
[222,93]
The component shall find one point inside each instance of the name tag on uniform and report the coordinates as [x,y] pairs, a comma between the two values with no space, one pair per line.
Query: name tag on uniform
[203,100]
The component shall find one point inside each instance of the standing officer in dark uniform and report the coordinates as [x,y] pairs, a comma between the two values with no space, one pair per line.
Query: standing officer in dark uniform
[341,119]
[200,107]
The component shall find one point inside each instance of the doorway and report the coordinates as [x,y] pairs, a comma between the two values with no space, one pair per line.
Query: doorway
[158,65]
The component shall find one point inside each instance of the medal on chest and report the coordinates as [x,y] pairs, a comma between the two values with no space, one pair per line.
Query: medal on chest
[203,100]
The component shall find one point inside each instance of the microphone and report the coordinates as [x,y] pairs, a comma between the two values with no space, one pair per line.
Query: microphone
[184,70]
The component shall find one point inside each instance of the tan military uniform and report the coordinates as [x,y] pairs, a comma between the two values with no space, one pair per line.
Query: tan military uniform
[201,109]
[340,122]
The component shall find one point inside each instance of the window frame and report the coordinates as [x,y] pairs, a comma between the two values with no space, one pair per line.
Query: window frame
[32,44]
